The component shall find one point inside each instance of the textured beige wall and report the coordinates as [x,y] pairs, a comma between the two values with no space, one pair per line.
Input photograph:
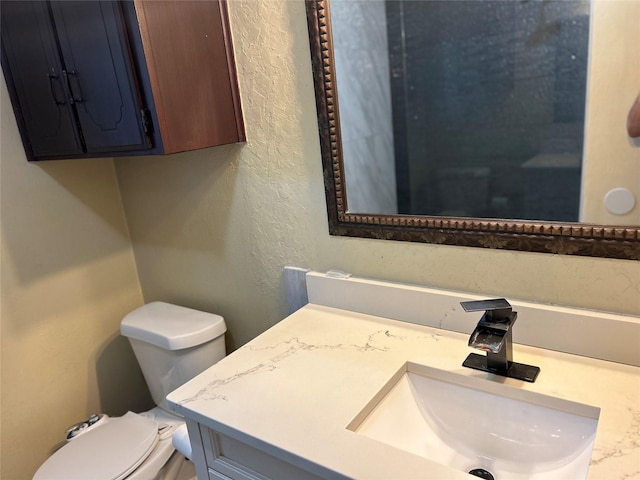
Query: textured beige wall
[612,159]
[213,229]
[68,277]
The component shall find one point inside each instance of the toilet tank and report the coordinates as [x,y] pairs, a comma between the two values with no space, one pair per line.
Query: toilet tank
[173,344]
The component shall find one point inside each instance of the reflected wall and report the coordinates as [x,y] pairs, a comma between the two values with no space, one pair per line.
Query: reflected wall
[361,50]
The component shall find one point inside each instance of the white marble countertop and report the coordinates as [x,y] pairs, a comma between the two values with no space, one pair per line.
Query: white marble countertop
[298,385]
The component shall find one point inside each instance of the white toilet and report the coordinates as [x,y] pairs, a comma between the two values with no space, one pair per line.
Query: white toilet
[172,345]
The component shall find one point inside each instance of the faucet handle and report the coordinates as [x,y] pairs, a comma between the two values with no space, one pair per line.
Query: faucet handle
[486,305]
[497,313]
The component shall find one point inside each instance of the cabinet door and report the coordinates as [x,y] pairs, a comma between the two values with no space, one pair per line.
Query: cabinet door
[36,75]
[100,76]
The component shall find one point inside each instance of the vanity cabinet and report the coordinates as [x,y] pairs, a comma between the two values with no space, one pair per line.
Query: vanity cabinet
[226,458]
[105,78]
[335,394]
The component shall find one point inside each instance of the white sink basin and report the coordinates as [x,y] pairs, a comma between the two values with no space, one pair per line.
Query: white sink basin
[470,423]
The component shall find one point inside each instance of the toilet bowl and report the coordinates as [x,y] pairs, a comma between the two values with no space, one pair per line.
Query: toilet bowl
[172,345]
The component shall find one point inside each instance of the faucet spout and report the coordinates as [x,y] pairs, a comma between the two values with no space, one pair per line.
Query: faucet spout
[499,348]
[487,340]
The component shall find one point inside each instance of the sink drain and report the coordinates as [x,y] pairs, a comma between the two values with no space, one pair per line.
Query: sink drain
[482,473]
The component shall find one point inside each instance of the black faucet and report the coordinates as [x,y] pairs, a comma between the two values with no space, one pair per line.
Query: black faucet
[493,334]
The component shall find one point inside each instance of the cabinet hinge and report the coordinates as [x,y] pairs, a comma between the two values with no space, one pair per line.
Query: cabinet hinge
[145,117]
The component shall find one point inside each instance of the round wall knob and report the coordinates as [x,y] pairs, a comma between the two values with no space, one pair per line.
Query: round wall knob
[619,201]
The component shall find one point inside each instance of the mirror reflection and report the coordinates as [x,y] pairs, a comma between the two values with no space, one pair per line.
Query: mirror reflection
[462,108]
[549,153]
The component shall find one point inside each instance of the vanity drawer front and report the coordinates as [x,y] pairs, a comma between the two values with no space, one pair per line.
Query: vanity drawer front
[228,458]
[213,475]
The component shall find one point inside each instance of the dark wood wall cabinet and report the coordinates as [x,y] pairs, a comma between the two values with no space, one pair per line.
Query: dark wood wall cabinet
[111,78]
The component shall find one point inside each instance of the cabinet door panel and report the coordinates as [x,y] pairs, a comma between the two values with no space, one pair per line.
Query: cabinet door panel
[30,51]
[100,76]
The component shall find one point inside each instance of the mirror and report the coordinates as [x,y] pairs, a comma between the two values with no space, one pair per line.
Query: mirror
[499,212]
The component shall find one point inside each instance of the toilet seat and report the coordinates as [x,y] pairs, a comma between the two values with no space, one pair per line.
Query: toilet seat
[112,451]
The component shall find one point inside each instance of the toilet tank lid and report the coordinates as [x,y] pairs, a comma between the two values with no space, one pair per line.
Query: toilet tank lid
[172,327]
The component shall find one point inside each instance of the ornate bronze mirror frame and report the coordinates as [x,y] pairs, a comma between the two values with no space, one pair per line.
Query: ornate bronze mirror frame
[532,236]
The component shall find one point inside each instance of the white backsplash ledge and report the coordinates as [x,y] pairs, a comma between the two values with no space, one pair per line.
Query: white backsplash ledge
[601,335]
